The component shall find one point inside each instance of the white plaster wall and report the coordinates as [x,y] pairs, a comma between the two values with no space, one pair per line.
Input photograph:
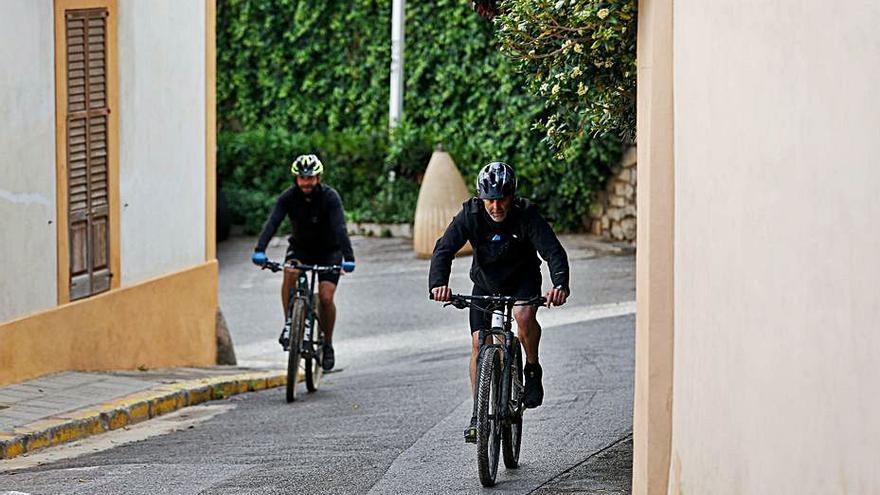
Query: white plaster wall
[777,261]
[28,275]
[162,136]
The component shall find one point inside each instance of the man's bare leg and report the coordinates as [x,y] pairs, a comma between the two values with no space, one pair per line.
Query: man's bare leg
[530,335]
[529,331]
[475,351]
[290,280]
[327,317]
[470,433]
[327,309]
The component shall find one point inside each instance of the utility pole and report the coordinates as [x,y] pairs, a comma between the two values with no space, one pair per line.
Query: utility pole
[398,19]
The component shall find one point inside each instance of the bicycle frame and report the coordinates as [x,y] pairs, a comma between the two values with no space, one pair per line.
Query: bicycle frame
[304,290]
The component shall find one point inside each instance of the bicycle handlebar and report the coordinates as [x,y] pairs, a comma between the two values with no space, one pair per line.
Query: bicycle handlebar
[462,301]
[274,266]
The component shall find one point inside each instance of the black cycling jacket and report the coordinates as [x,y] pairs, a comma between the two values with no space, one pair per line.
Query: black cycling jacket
[503,252]
[318,223]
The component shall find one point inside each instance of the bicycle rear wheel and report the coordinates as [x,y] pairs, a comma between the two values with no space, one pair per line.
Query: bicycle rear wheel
[314,360]
[294,357]
[488,416]
[511,434]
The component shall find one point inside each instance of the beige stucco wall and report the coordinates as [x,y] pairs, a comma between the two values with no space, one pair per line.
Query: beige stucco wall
[27,158]
[162,136]
[777,230]
[652,420]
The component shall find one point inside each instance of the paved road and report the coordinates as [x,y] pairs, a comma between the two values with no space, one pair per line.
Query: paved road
[391,421]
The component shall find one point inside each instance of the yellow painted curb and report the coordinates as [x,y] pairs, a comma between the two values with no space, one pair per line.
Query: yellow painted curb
[199,395]
[130,409]
[11,445]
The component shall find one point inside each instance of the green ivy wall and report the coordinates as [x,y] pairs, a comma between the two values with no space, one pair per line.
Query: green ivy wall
[298,76]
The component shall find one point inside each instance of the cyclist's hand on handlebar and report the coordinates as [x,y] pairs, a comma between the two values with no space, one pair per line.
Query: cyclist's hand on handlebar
[259,258]
[442,294]
[347,267]
[556,296]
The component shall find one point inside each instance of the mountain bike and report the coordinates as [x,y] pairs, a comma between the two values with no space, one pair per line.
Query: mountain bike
[305,338]
[499,389]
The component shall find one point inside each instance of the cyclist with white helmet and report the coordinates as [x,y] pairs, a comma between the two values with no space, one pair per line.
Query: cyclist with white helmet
[319,237]
[507,234]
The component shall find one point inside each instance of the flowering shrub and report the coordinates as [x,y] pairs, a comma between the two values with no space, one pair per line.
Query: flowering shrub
[580,56]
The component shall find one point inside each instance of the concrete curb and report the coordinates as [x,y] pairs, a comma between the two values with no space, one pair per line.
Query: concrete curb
[131,409]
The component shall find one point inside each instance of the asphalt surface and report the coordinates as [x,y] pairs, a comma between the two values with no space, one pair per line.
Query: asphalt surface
[391,420]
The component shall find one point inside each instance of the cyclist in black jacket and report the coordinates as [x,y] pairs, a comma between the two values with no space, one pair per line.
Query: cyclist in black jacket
[507,234]
[319,237]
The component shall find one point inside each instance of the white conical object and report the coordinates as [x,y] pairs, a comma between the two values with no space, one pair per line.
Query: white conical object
[440,197]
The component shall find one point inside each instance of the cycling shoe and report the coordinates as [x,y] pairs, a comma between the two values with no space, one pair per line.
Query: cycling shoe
[533,396]
[470,433]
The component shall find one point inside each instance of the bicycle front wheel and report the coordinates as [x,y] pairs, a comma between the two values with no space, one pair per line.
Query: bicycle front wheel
[488,416]
[294,357]
[314,359]
[511,434]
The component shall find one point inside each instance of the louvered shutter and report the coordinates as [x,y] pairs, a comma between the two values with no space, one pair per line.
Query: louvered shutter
[87,157]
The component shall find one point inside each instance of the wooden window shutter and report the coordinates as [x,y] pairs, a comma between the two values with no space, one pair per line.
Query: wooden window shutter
[87,154]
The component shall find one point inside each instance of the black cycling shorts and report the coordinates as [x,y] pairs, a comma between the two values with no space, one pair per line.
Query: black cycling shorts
[307,258]
[526,288]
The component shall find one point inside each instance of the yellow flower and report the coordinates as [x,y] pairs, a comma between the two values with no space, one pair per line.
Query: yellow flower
[560,76]
[578,48]
[576,71]
[602,14]
[582,89]
[555,89]
[544,88]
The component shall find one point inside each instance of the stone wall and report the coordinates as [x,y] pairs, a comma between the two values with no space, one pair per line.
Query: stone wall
[613,213]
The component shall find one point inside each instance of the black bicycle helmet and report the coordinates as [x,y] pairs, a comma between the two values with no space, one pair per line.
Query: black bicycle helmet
[306,166]
[496,180]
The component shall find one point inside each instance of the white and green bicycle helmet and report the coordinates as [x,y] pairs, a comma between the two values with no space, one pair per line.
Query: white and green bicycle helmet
[306,166]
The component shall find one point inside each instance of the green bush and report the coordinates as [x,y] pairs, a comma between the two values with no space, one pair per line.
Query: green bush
[298,76]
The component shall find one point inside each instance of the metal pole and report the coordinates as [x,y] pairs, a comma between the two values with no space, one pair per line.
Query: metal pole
[395,106]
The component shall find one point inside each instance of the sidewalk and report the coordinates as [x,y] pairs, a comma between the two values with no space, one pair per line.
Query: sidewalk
[64,407]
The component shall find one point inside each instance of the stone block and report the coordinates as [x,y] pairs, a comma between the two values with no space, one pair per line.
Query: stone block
[597,209]
[628,229]
[616,231]
[596,229]
[606,223]
[625,174]
[615,213]
[618,201]
[630,157]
